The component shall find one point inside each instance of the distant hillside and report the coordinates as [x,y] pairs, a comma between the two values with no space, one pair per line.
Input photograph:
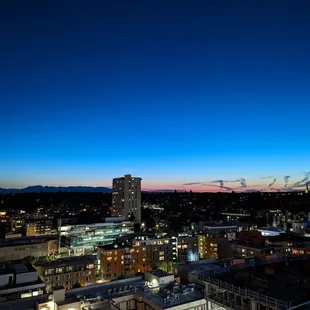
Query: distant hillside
[166,191]
[54,189]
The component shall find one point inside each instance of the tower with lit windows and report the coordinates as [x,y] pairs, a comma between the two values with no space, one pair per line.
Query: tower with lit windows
[126,198]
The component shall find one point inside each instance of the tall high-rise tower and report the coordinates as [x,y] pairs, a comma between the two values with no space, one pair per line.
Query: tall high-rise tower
[126,199]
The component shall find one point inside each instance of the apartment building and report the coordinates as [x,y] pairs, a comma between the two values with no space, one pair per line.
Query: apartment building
[210,246]
[163,249]
[118,261]
[67,272]
[187,248]
[40,227]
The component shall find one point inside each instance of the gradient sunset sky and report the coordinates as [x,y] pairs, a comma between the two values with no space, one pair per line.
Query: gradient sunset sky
[212,93]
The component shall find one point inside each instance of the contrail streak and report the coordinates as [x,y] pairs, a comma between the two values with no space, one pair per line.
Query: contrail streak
[243,183]
[286,179]
[274,181]
[305,179]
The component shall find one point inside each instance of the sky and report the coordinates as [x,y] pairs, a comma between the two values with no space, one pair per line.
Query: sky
[185,94]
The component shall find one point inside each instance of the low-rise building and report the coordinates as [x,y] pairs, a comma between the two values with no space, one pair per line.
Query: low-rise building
[19,248]
[189,272]
[300,248]
[158,278]
[263,287]
[19,280]
[227,229]
[67,272]
[118,295]
[252,237]
[247,250]
[12,235]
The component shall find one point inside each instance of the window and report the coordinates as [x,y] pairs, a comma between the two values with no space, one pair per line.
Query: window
[70,268]
[161,257]
[161,253]
[60,270]
[25,295]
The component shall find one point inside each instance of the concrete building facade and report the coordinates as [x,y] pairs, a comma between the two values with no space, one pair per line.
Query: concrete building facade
[68,271]
[126,199]
[19,248]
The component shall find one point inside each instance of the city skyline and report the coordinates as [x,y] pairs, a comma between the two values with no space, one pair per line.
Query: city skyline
[195,93]
[270,183]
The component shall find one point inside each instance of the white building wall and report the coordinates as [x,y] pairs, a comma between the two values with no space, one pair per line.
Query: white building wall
[26,277]
[5,278]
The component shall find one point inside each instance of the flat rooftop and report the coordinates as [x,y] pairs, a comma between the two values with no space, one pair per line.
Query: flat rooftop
[115,246]
[16,267]
[289,282]
[26,240]
[255,246]
[112,291]
[159,273]
[195,293]
[220,225]
[75,260]
[200,266]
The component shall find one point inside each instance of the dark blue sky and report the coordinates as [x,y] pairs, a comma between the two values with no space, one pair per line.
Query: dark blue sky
[173,91]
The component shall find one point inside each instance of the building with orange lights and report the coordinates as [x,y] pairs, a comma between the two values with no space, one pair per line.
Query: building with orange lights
[117,261]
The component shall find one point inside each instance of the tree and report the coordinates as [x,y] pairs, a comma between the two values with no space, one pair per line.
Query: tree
[48,258]
[31,259]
